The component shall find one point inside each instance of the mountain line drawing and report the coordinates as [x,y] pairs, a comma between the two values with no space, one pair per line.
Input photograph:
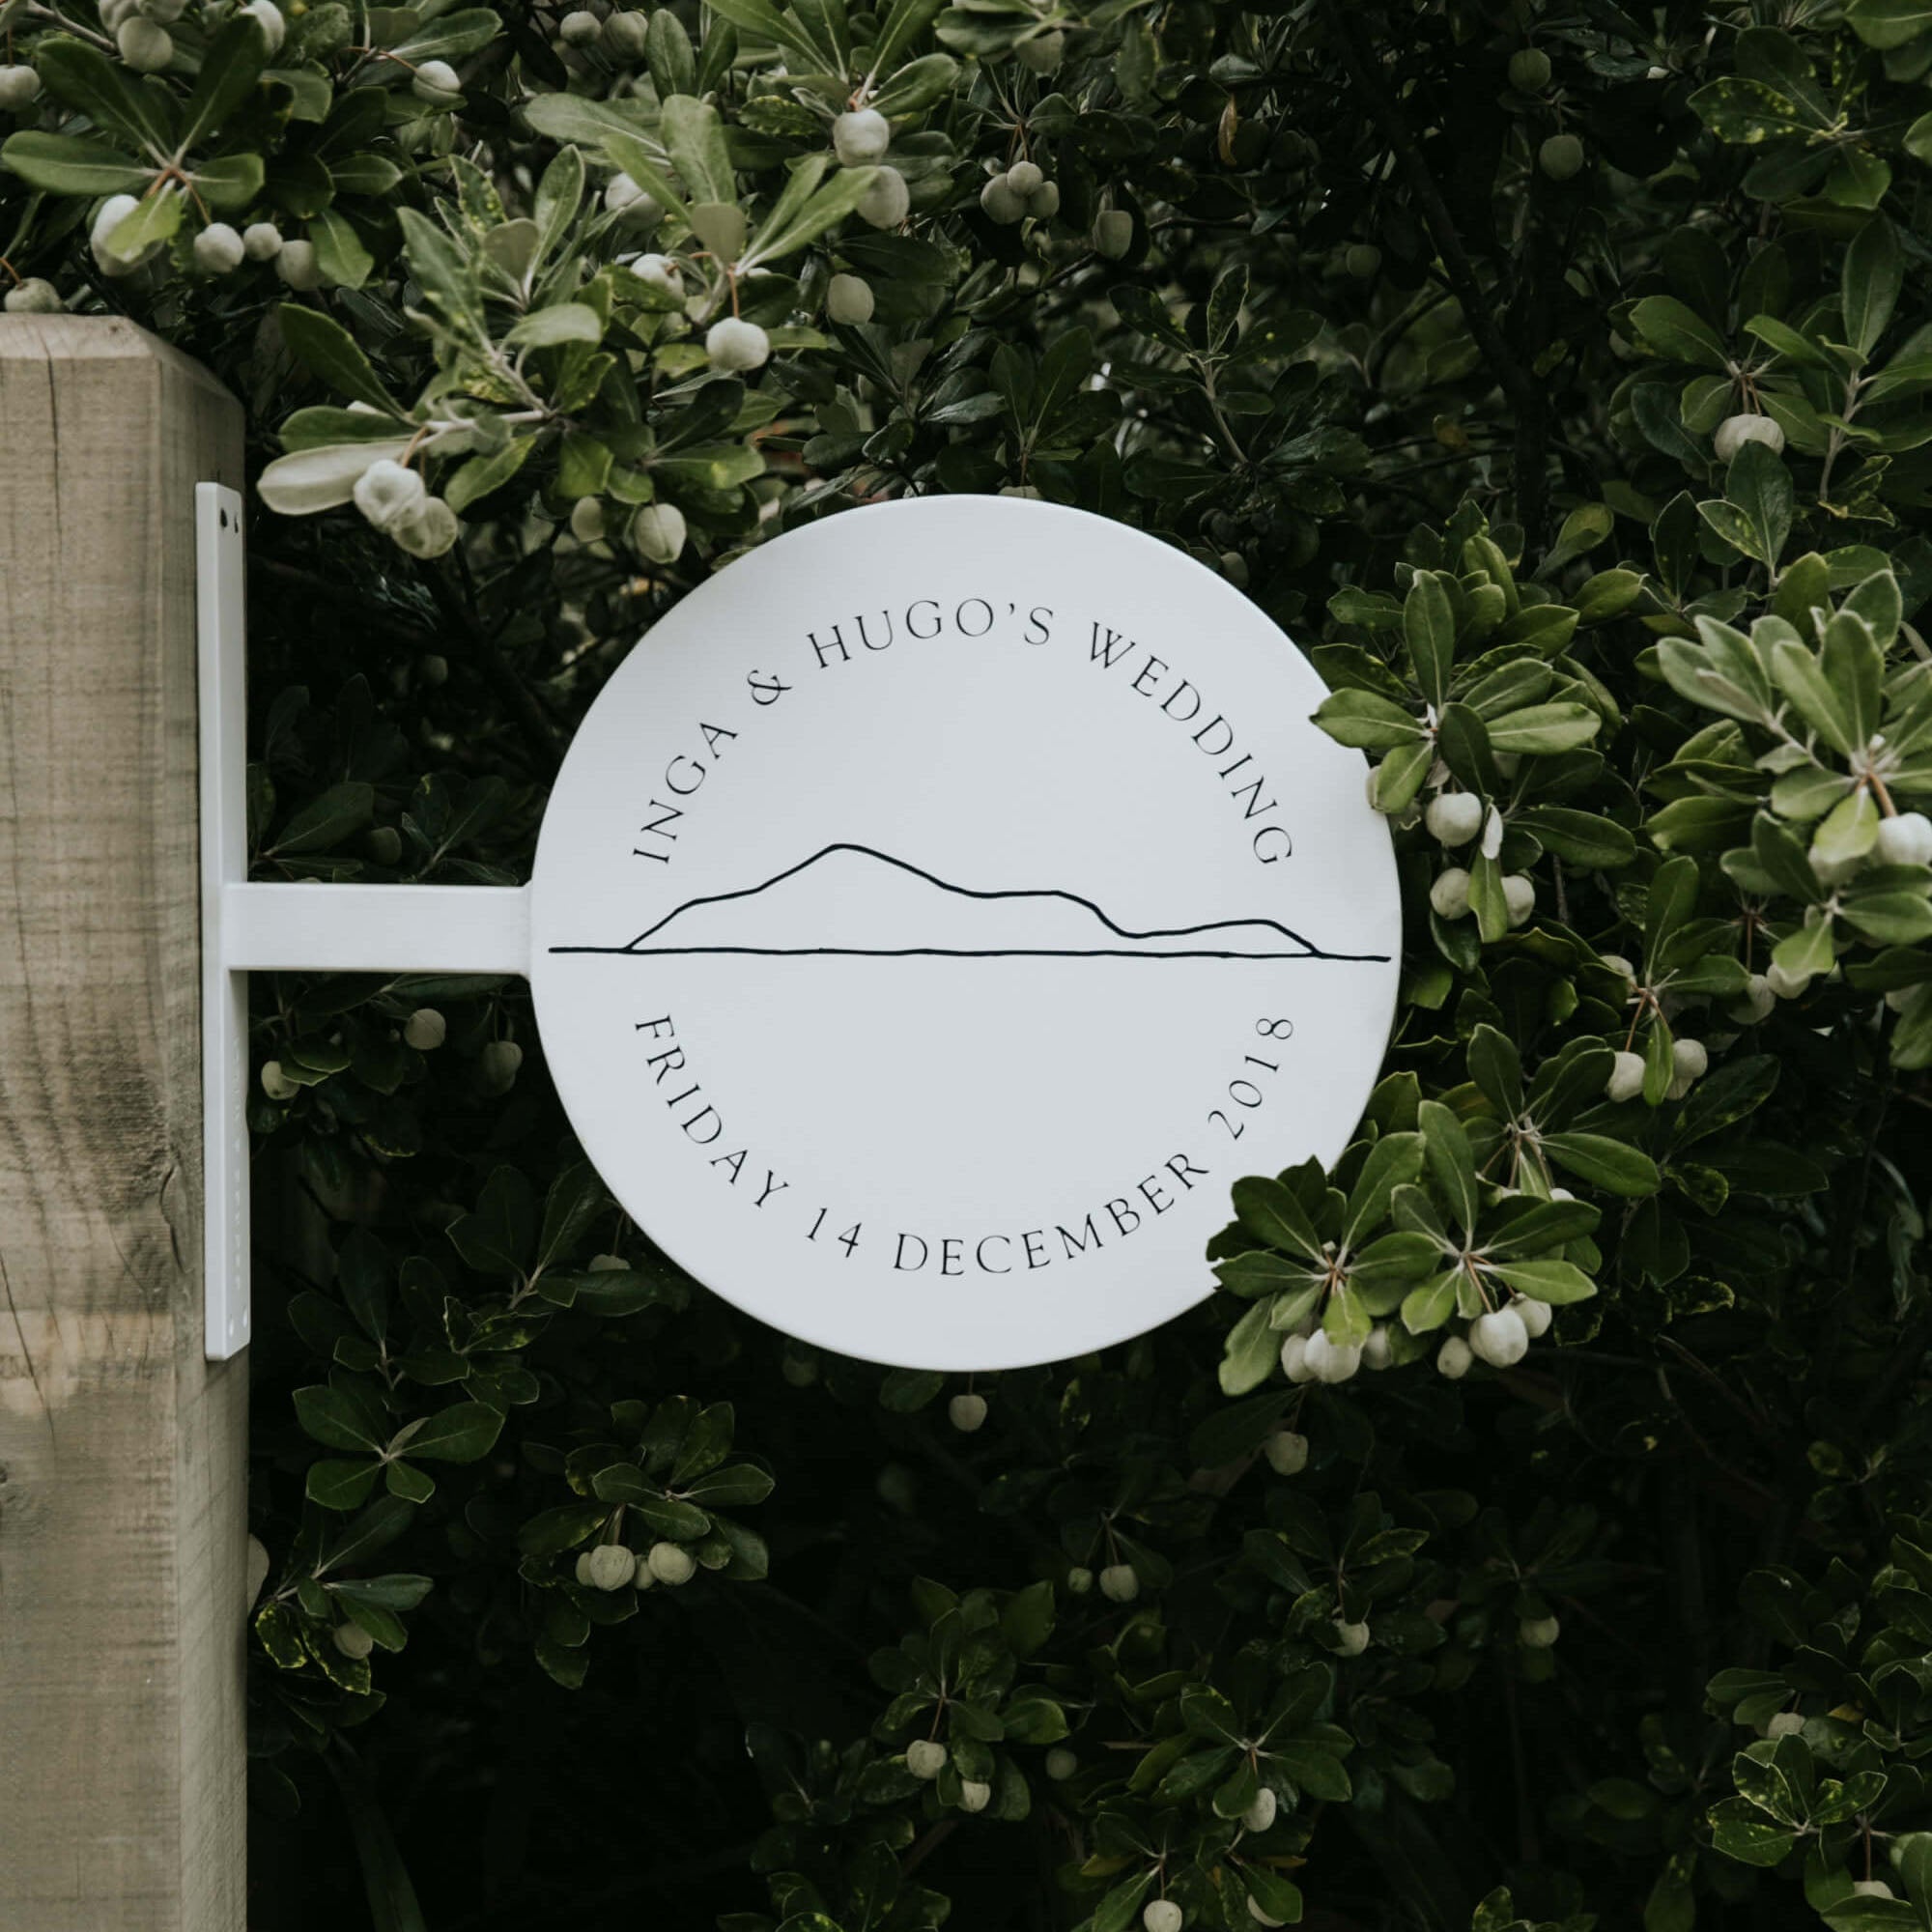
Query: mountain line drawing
[850,901]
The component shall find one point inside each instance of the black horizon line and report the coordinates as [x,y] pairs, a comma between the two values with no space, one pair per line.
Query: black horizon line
[635,952]
[1309,949]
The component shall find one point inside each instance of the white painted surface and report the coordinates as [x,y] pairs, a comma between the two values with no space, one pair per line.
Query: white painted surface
[916,938]
[221,636]
[328,928]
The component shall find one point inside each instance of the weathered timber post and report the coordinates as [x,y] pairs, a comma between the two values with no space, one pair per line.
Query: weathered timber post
[122,1527]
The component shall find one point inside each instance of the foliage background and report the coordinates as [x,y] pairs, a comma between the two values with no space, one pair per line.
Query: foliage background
[1429,351]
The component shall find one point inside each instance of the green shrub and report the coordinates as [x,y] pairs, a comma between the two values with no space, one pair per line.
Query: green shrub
[1558,377]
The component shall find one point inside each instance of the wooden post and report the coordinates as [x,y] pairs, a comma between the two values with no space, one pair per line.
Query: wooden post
[123,1471]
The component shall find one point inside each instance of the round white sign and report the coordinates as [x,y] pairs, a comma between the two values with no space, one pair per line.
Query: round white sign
[939,909]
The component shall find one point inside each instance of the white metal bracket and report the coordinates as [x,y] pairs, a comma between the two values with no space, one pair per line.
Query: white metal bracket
[286,928]
[221,638]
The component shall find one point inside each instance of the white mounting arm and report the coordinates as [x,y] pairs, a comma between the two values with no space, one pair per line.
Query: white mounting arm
[317,928]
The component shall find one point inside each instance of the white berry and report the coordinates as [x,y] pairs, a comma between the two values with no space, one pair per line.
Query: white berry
[658,532]
[353,1641]
[1113,233]
[661,271]
[1529,70]
[1351,1639]
[861,138]
[1784,1724]
[1500,1338]
[1079,1581]
[1518,896]
[114,210]
[387,491]
[1001,202]
[1538,1633]
[637,206]
[1454,1357]
[218,250]
[276,1084]
[1450,894]
[886,202]
[261,241]
[967,1412]
[1535,1316]
[1734,431]
[425,1030]
[926,1757]
[1120,1582]
[436,82]
[586,520]
[297,267]
[1162,1914]
[1287,1452]
[671,1563]
[1379,1351]
[33,296]
[611,1567]
[1332,1361]
[1454,817]
[1060,1764]
[1626,1081]
[1260,1815]
[19,87]
[578,28]
[1904,840]
[1754,1003]
[1560,157]
[427,530]
[848,300]
[146,47]
[267,16]
[501,1060]
[625,38]
[1295,1359]
[974,1796]
[1690,1058]
[733,344]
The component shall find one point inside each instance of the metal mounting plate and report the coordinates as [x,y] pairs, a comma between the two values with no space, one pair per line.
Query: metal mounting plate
[224,857]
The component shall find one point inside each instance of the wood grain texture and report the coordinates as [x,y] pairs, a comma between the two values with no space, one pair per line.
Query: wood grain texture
[123,1471]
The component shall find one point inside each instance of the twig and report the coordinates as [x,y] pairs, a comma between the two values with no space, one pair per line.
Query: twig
[928,1845]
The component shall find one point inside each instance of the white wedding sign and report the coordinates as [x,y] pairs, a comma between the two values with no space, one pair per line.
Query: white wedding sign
[934,915]
[939,909]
